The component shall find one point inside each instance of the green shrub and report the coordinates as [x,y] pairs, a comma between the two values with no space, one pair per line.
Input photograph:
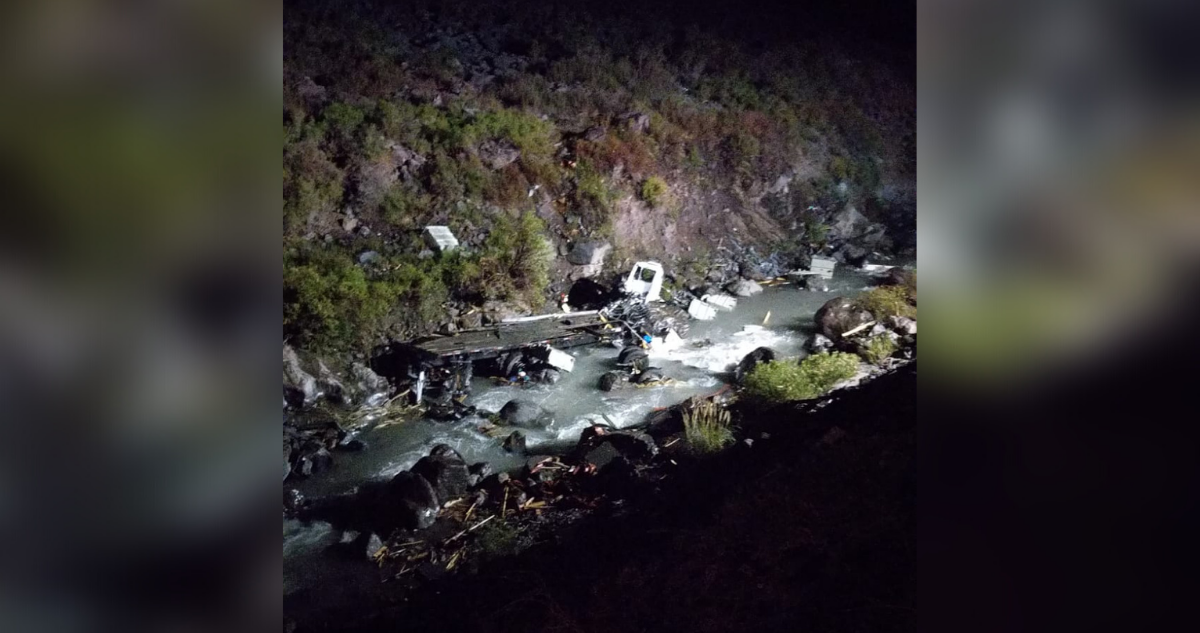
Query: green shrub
[782,381]
[887,301]
[654,190]
[329,302]
[497,539]
[515,259]
[706,428]
[878,349]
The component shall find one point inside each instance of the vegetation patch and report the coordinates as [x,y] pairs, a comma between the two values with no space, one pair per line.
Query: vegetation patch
[707,428]
[878,349]
[654,190]
[784,381]
[888,301]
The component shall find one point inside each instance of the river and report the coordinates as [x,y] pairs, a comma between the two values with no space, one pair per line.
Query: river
[699,365]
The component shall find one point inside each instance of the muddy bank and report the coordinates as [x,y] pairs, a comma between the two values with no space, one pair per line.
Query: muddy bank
[811,525]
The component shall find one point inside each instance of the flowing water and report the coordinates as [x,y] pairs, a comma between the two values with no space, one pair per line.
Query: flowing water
[700,365]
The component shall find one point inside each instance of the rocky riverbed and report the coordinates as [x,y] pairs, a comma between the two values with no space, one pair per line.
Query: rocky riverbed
[333,523]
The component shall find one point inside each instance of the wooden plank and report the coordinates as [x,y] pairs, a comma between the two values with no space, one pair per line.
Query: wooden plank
[491,341]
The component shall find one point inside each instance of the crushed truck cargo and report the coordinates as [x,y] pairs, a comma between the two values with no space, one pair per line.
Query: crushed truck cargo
[439,368]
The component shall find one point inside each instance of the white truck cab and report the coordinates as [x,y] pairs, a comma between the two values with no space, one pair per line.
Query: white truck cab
[645,280]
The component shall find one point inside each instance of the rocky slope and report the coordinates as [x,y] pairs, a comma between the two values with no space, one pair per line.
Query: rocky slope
[560,141]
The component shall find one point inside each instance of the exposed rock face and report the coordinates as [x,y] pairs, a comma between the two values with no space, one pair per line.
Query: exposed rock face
[897,276]
[369,384]
[333,388]
[299,386]
[840,315]
[903,325]
[589,256]
[498,154]
[744,288]
[523,413]
[752,360]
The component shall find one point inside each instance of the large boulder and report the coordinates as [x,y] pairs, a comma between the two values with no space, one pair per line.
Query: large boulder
[446,472]
[752,360]
[744,288]
[410,502]
[840,315]
[299,386]
[523,413]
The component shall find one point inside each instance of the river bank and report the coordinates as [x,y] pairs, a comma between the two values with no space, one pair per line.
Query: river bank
[810,524]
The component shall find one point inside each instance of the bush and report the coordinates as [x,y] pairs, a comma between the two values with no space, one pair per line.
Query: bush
[878,349]
[654,189]
[515,259]
[886,301]
[783,381]
[706,428]
[329,302]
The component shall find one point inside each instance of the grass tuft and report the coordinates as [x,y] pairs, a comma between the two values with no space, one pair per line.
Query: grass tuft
[707,429]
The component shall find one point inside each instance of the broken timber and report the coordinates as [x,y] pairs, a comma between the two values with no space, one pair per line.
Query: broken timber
[560,332]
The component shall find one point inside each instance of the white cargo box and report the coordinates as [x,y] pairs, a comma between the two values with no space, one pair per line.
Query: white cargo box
[440,238]
[822,266]
[701,310]
[724,302]
[560,359]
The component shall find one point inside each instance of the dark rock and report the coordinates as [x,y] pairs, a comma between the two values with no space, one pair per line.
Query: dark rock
[515,442]
[352,444]
[752,360]
[410,502]
[523,413]
[815,283]
[480,470]
[851,254]
[446,472]
[293,500]
[610,380]
[897,276]
[319,461]
[494,484]
[650,375]
[549,376]
[744,288]
[840,315]
[602,446]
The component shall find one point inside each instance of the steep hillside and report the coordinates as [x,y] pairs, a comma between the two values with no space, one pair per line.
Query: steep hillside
[532,127]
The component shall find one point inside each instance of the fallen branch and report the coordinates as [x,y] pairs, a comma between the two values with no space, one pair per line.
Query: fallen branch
[468,530]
